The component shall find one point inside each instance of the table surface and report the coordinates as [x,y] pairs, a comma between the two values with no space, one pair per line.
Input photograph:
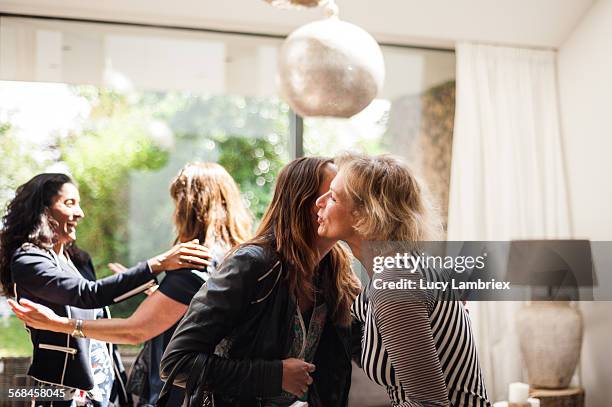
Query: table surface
[572,391]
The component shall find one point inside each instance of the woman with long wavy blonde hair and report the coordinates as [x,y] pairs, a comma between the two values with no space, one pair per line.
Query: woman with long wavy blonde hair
[273,325]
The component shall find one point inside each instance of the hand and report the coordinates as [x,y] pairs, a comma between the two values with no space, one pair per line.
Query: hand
[296,376]
[117,268]
[182,255]
[40,317]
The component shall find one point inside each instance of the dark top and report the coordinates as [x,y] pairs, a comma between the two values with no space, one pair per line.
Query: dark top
[180,286]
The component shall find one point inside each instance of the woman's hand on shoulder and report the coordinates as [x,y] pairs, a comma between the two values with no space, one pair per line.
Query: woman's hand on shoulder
[183,255]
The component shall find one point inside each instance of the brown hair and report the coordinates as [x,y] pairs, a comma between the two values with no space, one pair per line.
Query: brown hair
[391,203]
[27,220]
[208,206]
[288,225]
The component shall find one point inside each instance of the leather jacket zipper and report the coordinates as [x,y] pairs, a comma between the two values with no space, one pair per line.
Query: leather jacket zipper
[275,281]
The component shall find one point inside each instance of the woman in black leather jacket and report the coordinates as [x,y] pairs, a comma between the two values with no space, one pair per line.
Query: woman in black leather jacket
[39,262]
[272,327]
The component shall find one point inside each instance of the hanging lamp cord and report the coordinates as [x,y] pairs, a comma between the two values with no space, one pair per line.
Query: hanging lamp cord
[331,9]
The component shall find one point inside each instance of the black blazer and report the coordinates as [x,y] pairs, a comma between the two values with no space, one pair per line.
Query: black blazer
[59,358]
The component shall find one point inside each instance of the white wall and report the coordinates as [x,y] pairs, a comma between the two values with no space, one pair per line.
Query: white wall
[585,87]
[433,22]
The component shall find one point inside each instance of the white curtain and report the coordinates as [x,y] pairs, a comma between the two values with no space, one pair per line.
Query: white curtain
[507,176]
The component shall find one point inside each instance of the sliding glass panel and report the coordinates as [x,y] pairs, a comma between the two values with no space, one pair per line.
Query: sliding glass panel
[123,108]
[413,118]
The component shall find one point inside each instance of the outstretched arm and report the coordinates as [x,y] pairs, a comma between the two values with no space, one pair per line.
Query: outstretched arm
[36,275]
[155,314]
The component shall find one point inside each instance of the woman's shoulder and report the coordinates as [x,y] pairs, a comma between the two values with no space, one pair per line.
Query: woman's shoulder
[181,285]
[251,261]
[392,286]
[29,261]
[29,251]
[184,276]
[253,254]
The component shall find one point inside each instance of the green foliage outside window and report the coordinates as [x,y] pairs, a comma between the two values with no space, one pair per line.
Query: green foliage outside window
[128,149]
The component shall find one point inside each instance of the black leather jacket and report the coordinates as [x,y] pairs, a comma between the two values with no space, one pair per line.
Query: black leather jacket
[247,305]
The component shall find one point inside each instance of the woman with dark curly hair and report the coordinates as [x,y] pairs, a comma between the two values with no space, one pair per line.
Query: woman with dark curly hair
[39,262]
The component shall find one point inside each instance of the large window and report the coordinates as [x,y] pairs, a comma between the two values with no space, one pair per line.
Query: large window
[127,109]
[123,108]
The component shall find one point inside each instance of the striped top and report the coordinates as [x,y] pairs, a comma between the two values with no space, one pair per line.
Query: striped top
[422,349]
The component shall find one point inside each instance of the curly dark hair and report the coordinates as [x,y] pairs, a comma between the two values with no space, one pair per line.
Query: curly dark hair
[27,220]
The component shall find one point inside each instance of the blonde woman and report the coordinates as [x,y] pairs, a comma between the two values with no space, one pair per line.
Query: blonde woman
[208,208]
[417,346]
